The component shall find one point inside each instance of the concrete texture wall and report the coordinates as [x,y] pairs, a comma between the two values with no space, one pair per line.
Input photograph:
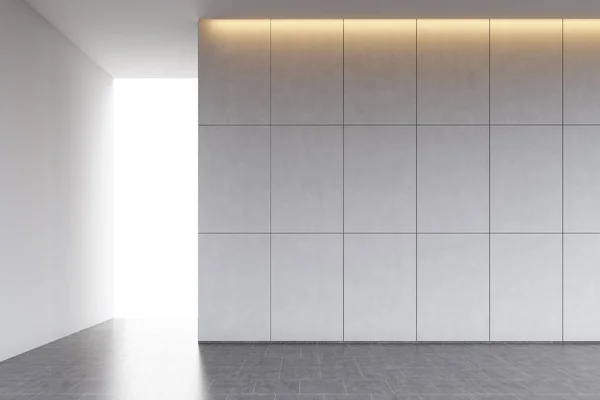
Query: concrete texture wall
[399,180]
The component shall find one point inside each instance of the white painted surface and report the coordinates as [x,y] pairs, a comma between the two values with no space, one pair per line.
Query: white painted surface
[56,183]
[131,38]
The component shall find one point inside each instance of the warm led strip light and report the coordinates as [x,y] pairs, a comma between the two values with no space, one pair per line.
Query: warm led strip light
[533,27]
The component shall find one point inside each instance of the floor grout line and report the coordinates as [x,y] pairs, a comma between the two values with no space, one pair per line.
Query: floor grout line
[280,368]
[241,368]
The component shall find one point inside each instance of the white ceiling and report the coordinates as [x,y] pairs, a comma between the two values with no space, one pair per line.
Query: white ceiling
[157,38]
[130,38]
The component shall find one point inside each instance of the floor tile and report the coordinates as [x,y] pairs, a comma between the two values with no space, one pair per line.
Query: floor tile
[367,386]
[301,361]
[502,387]
[587,386]
[347,397]
[381,372]
[457,387]
[15,397]
[548,387]
[128,360]
[277,386]
[413,387]
[63,397]
[251,372]
[444,397]
[322,386]
[493,397]
[299,397]
[221,372]
[310,372]
[251,397]
[232,386]
[340,371]
[542,397]
[397,397]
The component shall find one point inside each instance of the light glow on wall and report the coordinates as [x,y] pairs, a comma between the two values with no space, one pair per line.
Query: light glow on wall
[581,33]
[509,32]
[584,24]
[223,28]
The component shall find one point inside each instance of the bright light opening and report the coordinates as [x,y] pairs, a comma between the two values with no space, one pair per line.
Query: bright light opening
[156,197]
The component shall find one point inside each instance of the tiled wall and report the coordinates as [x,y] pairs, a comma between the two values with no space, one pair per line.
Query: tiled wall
[399,180]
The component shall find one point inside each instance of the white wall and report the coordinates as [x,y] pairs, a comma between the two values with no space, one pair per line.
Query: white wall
[156,209]
[399,180]
[55,184]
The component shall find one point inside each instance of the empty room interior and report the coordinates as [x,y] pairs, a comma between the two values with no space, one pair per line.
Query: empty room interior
[299,200]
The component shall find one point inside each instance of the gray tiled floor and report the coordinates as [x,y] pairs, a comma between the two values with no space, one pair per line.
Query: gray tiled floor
[131,360]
